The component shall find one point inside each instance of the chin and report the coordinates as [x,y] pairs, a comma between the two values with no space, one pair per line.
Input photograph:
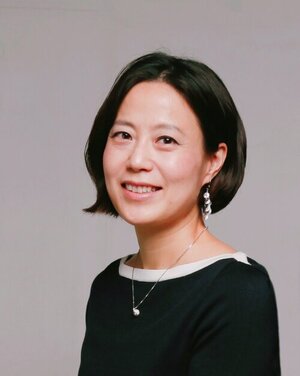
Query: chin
[138,220]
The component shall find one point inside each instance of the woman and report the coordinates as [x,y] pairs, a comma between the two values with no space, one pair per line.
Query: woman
[166,150]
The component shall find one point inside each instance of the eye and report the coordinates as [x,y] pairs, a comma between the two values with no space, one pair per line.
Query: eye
[167,140]
[121,135]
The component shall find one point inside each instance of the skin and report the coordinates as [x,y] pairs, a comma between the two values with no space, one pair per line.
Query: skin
[156,141]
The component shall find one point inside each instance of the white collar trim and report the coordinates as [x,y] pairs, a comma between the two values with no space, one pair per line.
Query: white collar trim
[152,275]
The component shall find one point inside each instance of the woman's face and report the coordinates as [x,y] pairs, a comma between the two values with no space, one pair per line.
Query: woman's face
[154,160]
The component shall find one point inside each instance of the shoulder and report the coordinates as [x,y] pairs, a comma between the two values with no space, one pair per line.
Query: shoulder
[249,275]
[240,321]
[107,275]
[245,288]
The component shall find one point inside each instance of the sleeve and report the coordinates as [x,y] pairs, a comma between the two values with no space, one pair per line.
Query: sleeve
[239,334]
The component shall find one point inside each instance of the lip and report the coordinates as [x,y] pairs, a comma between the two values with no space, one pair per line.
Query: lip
[139,184]
[139,196]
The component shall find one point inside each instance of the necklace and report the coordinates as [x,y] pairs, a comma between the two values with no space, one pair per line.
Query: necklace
[135,309]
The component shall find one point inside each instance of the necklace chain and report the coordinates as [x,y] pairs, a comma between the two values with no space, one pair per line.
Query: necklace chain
[135,309]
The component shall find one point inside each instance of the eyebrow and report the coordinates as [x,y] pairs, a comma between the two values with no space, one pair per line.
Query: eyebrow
[157,126]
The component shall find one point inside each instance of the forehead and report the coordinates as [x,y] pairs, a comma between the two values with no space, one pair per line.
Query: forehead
[156,101]
[157,93]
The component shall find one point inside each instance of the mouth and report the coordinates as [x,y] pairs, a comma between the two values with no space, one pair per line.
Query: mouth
[140,187]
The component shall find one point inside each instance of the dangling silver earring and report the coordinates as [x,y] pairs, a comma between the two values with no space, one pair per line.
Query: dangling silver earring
[206,211]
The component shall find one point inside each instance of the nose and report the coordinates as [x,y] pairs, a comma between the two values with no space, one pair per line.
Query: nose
[140,158]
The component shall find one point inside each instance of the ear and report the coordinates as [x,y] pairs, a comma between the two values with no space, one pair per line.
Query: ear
[215,162]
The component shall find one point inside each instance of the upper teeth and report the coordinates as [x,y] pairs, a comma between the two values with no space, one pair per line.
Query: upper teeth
[139,189]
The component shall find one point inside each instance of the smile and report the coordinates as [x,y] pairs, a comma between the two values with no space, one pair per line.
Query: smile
[140,188]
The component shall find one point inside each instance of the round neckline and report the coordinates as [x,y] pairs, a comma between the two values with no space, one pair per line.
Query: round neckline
[152,275]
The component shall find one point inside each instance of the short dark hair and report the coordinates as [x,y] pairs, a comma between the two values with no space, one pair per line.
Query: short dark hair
[209,99]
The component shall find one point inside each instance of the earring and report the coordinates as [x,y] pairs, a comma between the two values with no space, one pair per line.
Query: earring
[206,210]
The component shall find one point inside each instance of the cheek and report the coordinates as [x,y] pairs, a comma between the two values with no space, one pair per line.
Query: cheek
[110,162]
[105,161]
[188,169]
[109,168]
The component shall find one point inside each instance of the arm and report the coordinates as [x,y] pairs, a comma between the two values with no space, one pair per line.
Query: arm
[239,335]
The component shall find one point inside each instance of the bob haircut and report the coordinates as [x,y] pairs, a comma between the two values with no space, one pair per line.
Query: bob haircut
[211,102]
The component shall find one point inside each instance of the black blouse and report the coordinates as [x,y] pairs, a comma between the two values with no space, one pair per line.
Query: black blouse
[220,320]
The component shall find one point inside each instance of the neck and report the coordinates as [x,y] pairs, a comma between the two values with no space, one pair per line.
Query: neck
[160,248]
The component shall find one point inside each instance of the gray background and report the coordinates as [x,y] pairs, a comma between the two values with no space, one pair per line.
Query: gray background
[58,60]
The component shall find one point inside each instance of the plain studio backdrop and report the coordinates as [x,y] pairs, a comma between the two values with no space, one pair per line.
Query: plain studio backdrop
[58,61]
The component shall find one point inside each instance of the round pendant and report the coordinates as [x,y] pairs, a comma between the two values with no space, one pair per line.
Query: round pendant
[135,312]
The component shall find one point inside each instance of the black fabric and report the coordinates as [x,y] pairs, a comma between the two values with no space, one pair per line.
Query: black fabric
[218,321]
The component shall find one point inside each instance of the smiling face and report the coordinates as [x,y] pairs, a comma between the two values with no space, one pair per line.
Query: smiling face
[154,160]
